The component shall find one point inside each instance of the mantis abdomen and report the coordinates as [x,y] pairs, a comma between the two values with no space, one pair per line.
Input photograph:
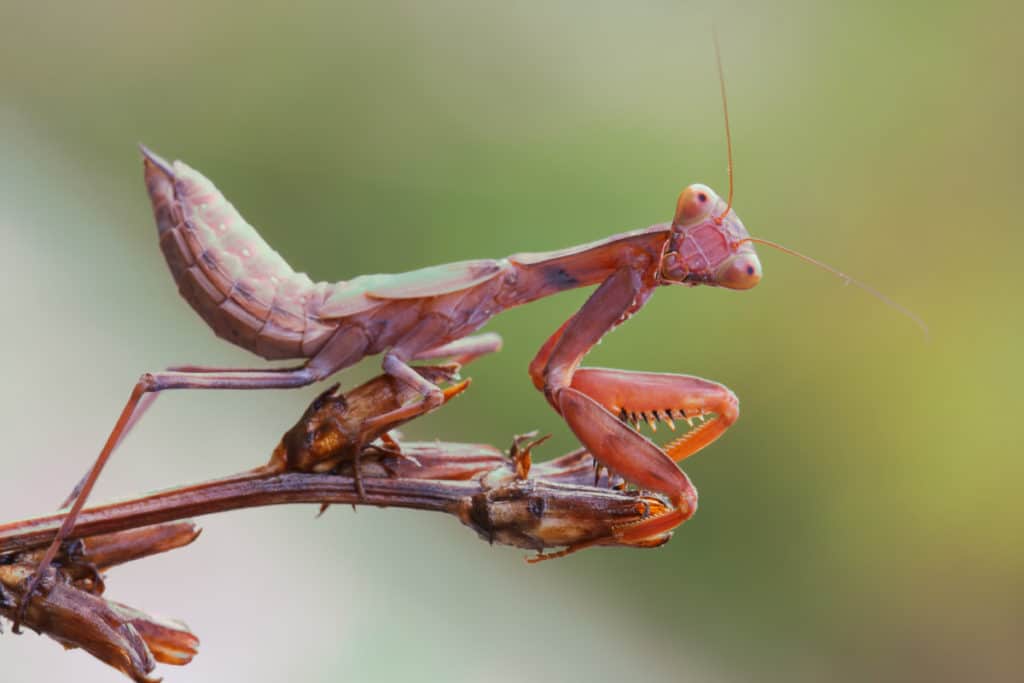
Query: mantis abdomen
[241,287]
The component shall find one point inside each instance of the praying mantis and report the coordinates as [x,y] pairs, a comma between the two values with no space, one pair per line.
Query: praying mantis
[250,296]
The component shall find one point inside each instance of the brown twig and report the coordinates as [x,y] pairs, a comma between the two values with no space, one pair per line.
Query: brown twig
[231,493]
[71,608]
[467,481]
[564,504]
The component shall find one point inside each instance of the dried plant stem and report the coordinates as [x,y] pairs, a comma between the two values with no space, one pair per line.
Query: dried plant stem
[558,505]
[236,492]
[567,503]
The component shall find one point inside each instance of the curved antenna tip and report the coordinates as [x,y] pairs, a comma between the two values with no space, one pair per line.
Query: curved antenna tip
[847,280]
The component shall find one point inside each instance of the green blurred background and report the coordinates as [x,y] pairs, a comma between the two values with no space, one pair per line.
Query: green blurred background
[860,522]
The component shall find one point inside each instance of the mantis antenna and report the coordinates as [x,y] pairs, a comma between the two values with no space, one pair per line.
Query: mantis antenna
[846,280]
[775,245]
[728,133]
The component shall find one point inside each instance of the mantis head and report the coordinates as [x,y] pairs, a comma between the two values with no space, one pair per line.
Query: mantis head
[709,244]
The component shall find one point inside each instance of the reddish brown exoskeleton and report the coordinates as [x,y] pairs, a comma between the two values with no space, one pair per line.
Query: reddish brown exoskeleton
[247,293]
[251,297]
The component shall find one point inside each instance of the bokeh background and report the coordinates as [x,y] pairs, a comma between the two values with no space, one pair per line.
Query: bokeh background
[860,522]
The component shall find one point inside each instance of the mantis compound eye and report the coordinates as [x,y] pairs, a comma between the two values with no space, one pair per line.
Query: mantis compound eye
[695,204]
[741,271]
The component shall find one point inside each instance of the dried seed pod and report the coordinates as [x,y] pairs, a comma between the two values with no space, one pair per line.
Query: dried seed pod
[337,428]
[70,609]
[539,515]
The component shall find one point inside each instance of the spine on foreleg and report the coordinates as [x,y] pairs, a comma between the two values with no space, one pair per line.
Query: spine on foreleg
[243,289]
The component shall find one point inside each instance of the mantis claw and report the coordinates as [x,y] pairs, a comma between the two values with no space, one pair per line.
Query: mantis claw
[590,406]
[653,397]
[596,404]
[624,450]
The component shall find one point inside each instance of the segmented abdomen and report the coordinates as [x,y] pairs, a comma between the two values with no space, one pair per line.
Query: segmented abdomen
[240,286]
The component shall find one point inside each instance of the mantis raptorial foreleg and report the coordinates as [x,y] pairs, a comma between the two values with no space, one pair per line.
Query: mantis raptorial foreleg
[596,403]
[709,408]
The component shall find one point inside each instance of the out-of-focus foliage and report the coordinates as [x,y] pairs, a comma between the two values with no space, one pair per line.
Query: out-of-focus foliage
[860,522]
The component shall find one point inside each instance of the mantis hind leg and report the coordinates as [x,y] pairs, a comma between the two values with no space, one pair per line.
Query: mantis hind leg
[141,408]
[151,383]
[346,347]
[146,402]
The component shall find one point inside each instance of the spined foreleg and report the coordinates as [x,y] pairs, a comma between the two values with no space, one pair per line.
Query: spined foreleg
[596,403]
[707,407]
